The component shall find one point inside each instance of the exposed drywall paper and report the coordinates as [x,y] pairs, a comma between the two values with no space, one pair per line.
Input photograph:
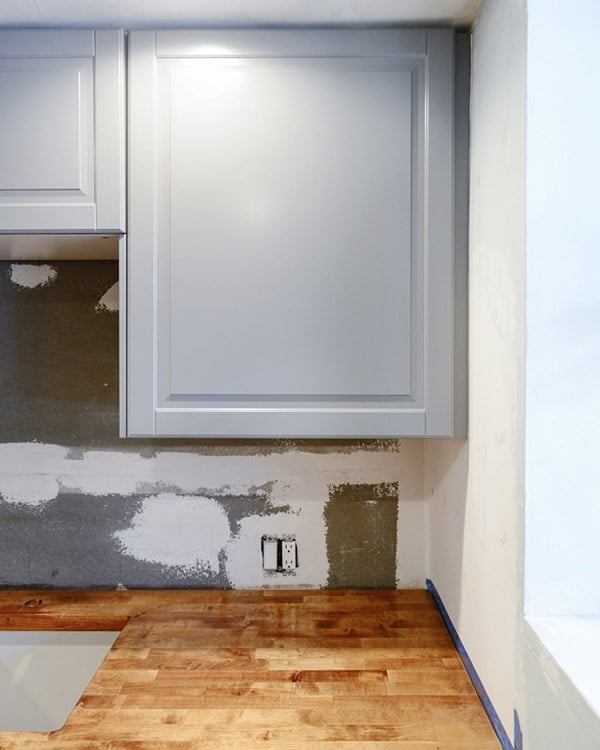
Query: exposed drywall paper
[109,302]
[30,276]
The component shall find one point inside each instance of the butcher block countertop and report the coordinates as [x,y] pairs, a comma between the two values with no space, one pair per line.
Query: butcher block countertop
[238,670]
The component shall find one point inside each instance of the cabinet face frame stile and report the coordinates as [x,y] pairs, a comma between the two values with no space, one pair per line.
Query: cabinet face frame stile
[414,347]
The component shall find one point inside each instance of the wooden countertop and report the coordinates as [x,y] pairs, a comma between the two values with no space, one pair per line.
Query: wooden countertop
[238,670]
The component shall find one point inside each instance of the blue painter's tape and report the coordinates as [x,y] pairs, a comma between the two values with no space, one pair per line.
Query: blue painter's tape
[471,671]
[518,733]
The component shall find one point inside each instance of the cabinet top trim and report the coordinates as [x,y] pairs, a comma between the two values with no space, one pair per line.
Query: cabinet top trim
[47,43]
[221,43]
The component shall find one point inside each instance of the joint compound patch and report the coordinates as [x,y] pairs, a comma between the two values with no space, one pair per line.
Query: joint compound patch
[28,489]
[185,531]
[109,302]
[29,276]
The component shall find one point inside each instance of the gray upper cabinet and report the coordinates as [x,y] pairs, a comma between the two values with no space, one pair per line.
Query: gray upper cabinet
[62,131]
[291,267]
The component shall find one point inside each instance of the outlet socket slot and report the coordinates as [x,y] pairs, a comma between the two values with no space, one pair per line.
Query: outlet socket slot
[279,553]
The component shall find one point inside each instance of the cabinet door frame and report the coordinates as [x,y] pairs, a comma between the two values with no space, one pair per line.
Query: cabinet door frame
[434,412]
[97,203]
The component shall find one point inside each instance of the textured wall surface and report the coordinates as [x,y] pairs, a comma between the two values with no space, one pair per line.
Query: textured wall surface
[80,507]
[477,487]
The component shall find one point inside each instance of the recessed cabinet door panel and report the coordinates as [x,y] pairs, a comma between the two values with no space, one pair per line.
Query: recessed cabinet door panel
[56,125]
[291,233]
[280,201]
[45,109]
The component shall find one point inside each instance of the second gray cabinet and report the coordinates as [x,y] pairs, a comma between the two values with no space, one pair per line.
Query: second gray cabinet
[291,234]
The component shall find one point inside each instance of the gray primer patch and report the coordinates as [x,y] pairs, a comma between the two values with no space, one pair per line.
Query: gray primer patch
[59,375]
[72,542]
[361,522]
[69,542]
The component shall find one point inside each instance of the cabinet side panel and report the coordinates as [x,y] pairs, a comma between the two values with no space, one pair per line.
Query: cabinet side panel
[141,245]
[461,233]
[123,380]
[110,130]
[439,387]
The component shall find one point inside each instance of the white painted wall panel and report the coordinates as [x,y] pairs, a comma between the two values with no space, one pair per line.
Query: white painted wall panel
[476,487]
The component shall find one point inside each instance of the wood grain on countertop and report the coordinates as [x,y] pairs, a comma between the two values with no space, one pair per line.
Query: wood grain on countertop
[238,670]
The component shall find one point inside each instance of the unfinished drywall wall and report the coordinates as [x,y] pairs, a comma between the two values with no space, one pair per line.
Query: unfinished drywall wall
[80,507]
[476,487]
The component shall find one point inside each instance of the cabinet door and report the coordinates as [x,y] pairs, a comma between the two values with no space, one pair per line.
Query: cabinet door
[289,194]
[62,128]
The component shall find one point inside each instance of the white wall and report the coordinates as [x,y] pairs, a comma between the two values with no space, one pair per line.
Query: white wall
[562,553]
[534,419]
[476,487]
[563,309]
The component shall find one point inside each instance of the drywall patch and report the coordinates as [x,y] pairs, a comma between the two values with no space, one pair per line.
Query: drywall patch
[256,503]
[26,475]
[109,302]
[30,276]
[361,521]
[30,489]
[188,532]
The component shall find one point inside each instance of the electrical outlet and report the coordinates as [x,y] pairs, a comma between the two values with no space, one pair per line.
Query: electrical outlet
[279,553]
[288,554]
